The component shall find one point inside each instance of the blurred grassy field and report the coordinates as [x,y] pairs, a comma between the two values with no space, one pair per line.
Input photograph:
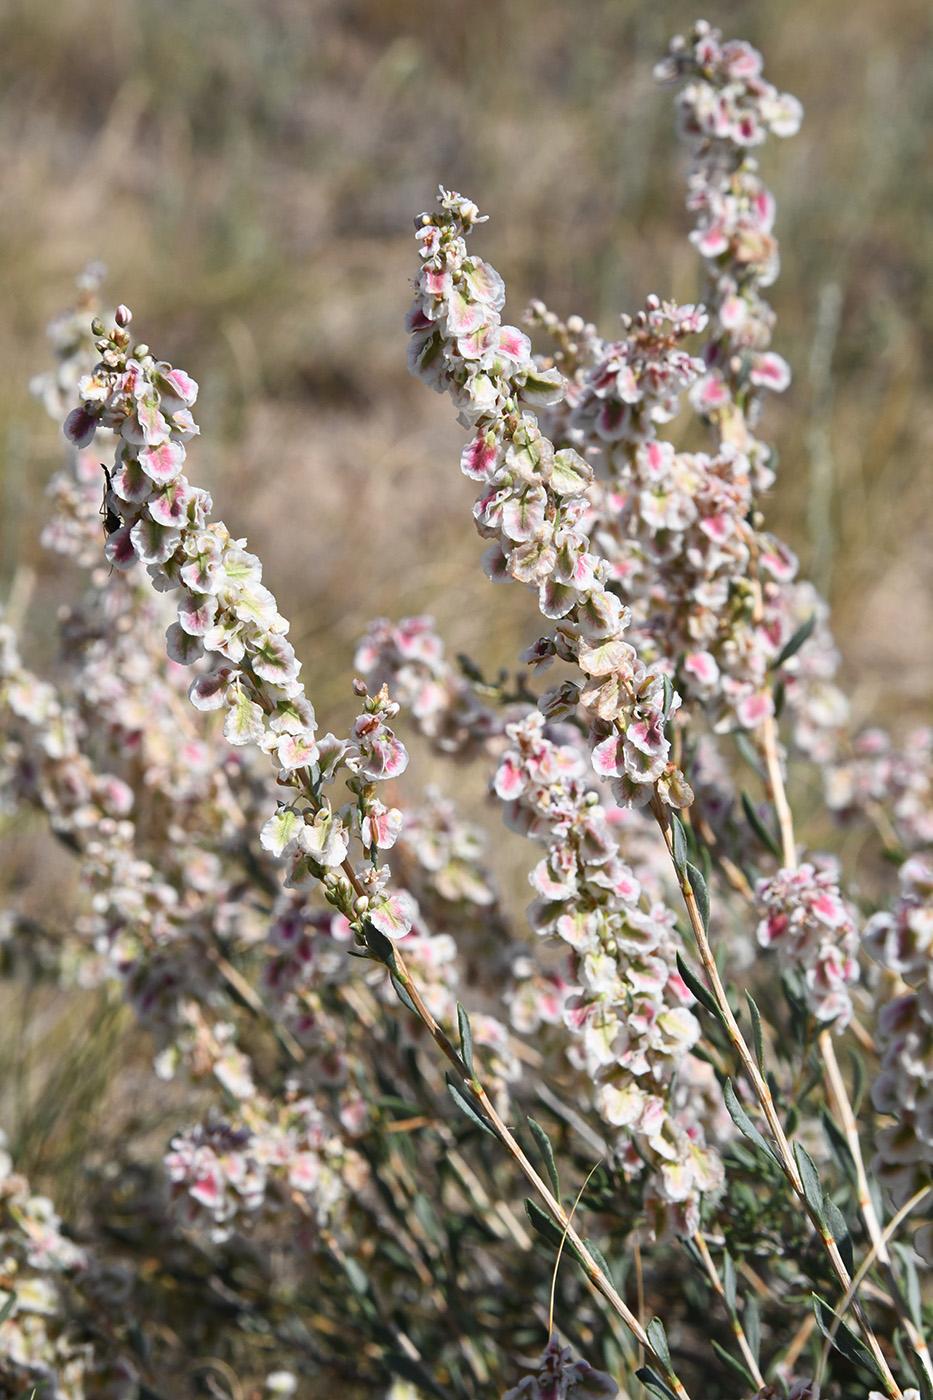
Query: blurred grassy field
[249,171]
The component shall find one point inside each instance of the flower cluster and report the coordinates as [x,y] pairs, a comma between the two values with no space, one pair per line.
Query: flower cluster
[409,657]
[47,1282]
[625,1005]
[227,1172]
[902,941]
[533,504]
[891,785]
[725,109]
[227,615]
[806,921]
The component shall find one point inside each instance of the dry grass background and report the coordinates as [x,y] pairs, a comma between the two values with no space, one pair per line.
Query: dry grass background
[249,171]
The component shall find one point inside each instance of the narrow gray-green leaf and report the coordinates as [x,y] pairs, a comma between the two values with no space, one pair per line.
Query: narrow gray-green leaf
[766,837]
[542,1223]
[680,845]
[742,1121]
[600,1259]
[402,994]
[356,1275]
[668,691]
[547,1152]
[751,1326]
[844,1339]
[756,1028]
[700,893]
[804,631]
[810,1177]
[8,1307]
[748,751]
[382,947]
[658,1339]
[859,1080]
[654,1384]
[733,1363]
[463,1103]
[728,1281]
[837,1227]
[842,1153]
[914,1298]
[466,1039]
[702,993]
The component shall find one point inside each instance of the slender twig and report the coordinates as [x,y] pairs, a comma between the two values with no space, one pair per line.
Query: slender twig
[737,1328]
[891,1227]
[879,1249]
[556,1211]
[763,1094]
[785,817]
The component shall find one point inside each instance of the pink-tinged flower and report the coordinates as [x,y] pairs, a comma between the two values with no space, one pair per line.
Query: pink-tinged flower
[378,753]
[209,692]
[80,427]
[806,920]
[770,371]
[754,709]
[162,462]
[394,914]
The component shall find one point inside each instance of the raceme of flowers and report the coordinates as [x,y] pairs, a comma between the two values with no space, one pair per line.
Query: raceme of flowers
[672,606]
[533,502]
[625,1005]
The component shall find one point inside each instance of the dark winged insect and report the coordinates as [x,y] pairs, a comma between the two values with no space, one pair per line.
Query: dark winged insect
[112,521]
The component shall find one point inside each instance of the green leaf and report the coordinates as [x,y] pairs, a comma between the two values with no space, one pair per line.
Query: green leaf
[728,1281]
[756,1028]
[702,993]
[742,1121]
[804,631]
[836,1224]
[810,1177]
[356,1275]
[767,838]
[844,1340]
[402,994]
[600,1258]
[680,845]
[380,946]
[842,1153]
[733,1364]
[654,1384]
[424,1213]
[542,1223]
[463,1103]
[700,893]
[780,695]
[547,1152]
[8,1307]
[748,751]
[751,1326]
[668,695]
[859,1080]
[466,1039]
[658,1339]
[914,1297]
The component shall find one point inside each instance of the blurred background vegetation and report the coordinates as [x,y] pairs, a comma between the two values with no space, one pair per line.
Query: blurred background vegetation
[249,171]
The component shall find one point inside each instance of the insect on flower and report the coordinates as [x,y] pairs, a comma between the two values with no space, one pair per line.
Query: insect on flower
[112,521]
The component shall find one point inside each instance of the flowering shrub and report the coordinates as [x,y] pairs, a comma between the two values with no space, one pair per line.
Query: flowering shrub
[307,956]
